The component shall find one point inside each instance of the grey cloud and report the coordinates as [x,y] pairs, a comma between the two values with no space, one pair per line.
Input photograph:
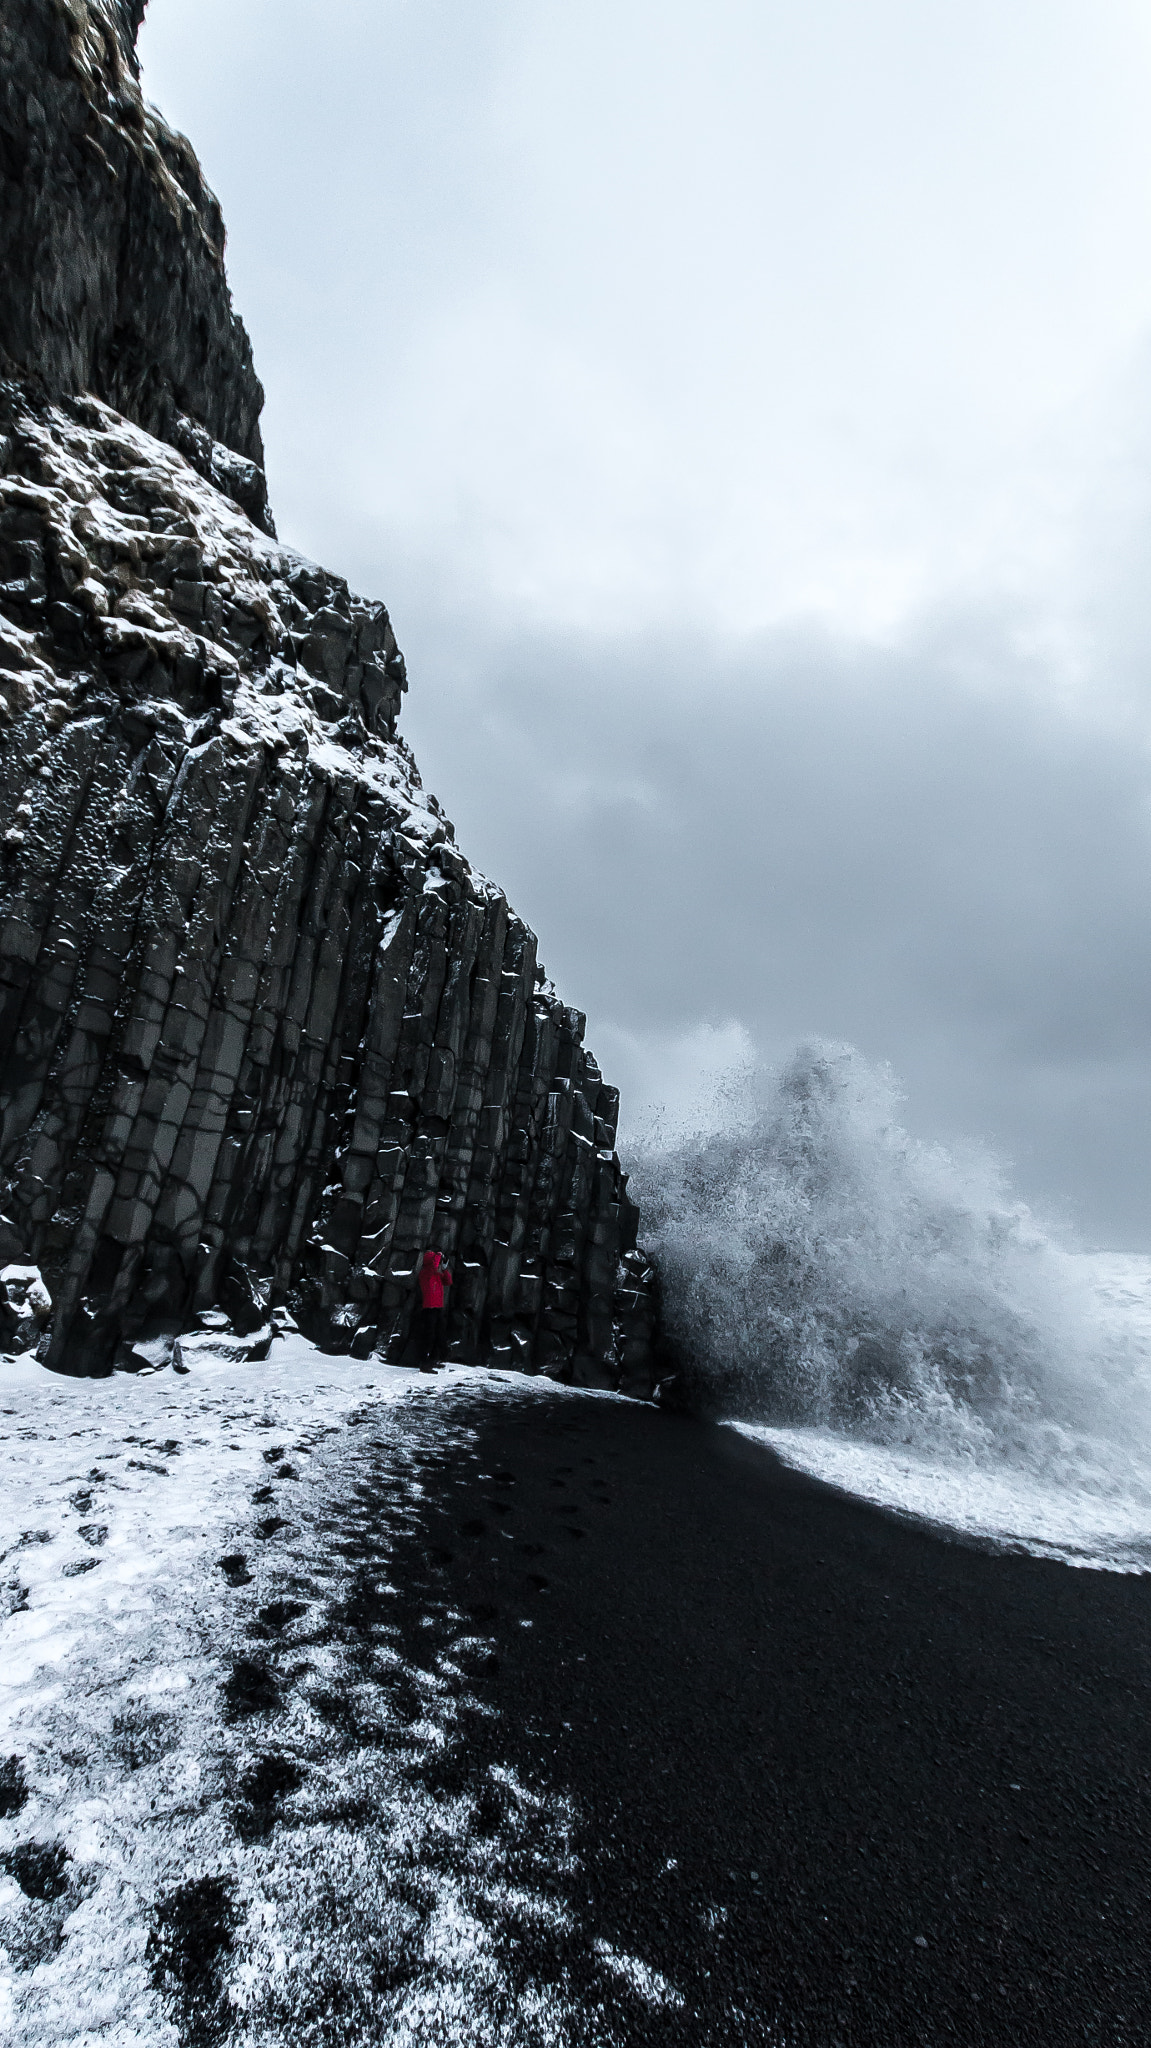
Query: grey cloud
[815,839]
[913,849]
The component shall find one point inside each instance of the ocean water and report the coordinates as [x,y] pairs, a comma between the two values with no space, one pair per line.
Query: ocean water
[889,1317]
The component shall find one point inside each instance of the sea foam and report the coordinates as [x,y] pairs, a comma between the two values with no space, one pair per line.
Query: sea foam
[888,1315]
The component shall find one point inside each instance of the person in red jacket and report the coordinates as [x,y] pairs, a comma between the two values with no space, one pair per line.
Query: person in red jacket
[433,1276]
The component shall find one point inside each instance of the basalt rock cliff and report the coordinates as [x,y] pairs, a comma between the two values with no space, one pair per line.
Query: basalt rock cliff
[112,247]
[264,1031]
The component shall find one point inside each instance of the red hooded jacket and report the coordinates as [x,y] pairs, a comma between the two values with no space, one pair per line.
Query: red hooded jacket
[433,1278]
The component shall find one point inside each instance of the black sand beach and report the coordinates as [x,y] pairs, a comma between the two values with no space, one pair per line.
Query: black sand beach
[840,1781]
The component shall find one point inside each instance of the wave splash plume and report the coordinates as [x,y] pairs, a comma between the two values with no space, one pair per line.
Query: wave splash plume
[889,1316]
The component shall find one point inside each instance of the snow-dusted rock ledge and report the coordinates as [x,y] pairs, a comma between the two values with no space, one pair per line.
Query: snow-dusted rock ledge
[264,1030]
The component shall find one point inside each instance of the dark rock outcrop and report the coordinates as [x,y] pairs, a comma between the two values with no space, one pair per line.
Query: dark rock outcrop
[112,247]
[264,1032]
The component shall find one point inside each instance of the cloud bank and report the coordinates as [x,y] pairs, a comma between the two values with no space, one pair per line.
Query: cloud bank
[744,412]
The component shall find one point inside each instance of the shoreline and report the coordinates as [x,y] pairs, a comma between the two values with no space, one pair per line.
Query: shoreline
[703,1751]
[985,1505]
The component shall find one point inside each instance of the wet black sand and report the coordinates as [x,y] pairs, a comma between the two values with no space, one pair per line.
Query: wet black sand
[837,1779]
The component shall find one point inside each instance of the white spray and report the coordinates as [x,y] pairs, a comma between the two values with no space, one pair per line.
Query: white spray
[825,1271]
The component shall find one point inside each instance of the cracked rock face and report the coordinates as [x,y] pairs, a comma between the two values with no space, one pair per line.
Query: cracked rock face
[112,246]
[265,1032]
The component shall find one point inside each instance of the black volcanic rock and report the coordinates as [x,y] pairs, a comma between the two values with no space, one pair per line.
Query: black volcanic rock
[112,246]
[264,1031]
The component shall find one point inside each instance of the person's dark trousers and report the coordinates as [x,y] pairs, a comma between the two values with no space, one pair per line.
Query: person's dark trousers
[429,1324]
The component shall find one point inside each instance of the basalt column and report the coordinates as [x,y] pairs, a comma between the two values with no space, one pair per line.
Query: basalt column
[264,1031]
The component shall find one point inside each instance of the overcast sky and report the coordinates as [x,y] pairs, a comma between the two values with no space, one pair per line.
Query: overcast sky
[744,408]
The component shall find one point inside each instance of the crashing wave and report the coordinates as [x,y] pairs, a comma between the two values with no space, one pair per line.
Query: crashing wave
[821,1267]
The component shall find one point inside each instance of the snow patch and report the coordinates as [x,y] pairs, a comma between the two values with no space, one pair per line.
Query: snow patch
[254,1812]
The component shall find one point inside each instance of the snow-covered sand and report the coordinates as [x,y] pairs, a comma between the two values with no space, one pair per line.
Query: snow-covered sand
[165,1712]
[285,1758]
